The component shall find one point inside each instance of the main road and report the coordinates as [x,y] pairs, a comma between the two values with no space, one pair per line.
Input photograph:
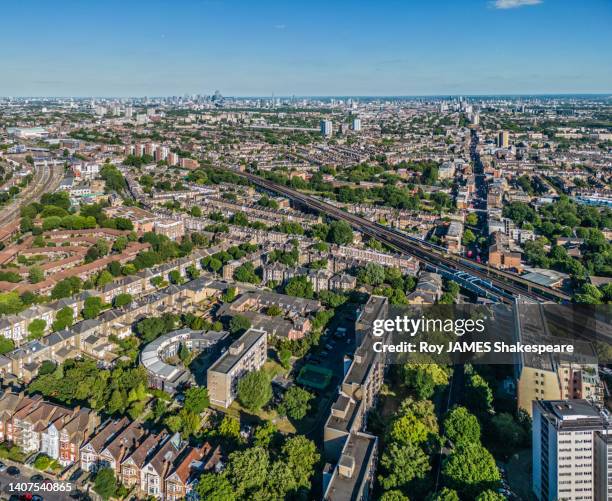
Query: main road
[507,286]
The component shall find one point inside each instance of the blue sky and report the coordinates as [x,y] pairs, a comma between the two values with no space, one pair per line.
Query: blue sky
[333,47]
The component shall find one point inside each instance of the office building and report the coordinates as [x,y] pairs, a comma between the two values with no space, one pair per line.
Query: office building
[565,434]
[356,124]
[503,139]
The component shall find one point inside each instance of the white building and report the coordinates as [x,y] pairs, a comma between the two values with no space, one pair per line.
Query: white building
[564,465]
[326,128]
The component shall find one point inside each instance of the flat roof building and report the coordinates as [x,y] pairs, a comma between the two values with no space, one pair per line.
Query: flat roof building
[564,435]
[246,354]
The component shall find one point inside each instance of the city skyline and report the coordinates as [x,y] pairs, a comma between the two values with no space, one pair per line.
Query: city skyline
[506,47]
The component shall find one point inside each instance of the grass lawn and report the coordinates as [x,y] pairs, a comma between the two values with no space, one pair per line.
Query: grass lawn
[237,411]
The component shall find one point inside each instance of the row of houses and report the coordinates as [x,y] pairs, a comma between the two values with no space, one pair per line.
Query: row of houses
[153,464]
[293,322]
[15,326]
[91,337]
[321,280]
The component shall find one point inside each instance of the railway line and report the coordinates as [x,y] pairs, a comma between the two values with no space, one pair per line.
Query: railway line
[507,286]
[45,179]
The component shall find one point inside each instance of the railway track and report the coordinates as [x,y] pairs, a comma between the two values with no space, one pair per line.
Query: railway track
[508,284]
[45,179]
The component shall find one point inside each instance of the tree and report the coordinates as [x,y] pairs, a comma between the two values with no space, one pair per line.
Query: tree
[247,470]
[478,394]
[468,237]
[296,403]
[372,274]
[472,219]
[63,319]
[285,357]
[470,469]
[36,274]
[264,434]
[120,244]
[150,328]
[254,390]
[105,277]
[61,289]
[239,324]
[424,378]
[408,429]
[246,273]
[507,432]
[445,494]
[215,265]
[229,295]
[274,311]
[301,455]
[229,428]
[299,286]
[36,328]
[92,307]
[6,345]
[175,277]
[105,483]
[340,233]
[490,495]
[213,487]
[122,299]
[196,399]
[461,427]
[403,463]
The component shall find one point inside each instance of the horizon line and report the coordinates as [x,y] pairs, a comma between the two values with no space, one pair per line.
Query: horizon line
[315,96]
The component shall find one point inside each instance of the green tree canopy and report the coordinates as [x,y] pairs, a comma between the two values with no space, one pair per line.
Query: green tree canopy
[254,390]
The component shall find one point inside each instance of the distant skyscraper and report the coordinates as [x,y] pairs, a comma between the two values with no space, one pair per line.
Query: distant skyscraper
[326,128]
[503,139]
[570,450]
[356,124]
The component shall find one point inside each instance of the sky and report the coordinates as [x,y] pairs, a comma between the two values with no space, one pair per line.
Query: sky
[305,48]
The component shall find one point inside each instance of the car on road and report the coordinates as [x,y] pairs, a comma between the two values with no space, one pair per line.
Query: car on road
[13,471]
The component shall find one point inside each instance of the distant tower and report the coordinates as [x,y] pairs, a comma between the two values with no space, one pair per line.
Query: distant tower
[326,128]
[503,139]
[356,124]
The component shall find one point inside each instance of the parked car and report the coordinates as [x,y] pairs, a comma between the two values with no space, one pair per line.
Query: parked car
[2,466]
[36,478]
[13,471]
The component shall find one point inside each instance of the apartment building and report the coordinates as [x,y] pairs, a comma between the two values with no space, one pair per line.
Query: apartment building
[565,463]
[353,476]
[246,354]
[550,376]
[502,255]
[347,446]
